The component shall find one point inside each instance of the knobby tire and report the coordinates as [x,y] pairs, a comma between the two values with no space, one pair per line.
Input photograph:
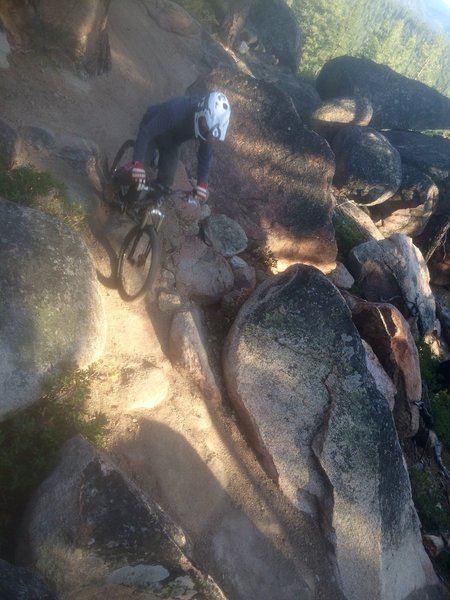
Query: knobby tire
[129,252]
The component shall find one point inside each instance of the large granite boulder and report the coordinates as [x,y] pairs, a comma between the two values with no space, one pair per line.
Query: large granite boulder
[17,583]
[384,328]
[393,270]
[89,528]
[296,372]
[51,308]
[272,174]
[428,153]
[398,102]
[410,208]
[303,94]
[368,167]
[332,115]
[78,29]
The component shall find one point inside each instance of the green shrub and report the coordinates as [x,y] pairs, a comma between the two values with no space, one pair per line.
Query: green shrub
[37,189]
[429,368]
[429,500]
[25,184]
[441,132]
[439,395]
[262,258]
[440,407]
[30,441]
[347,235]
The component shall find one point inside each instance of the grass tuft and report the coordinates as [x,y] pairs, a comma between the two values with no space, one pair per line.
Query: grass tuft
[37,189]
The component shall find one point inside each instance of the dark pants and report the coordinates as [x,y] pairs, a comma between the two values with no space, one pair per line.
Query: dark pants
[169,155]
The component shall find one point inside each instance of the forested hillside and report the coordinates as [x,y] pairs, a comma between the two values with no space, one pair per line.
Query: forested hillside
[384,31]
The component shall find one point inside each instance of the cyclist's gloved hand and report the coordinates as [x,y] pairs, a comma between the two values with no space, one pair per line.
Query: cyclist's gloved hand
[201,192]
[138,175]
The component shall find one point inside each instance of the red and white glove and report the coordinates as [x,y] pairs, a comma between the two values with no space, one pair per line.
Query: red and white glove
[138,175]
[201,192]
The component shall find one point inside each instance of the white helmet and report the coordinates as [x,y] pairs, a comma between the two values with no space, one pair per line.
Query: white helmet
[215,110]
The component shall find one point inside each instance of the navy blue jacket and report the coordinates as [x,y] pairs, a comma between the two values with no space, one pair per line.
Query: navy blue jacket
[173,121]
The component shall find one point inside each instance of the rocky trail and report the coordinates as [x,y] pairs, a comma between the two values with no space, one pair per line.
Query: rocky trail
[186,452]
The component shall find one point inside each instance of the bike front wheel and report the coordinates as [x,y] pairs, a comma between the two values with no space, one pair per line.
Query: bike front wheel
[138,265]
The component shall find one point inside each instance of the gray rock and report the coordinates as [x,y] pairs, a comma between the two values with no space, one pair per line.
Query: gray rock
[139,575]
[170,301]
[225,235]
[296,372]
[190,351]
[244,274]
[39,138]
[341,277]
[368,167]
[201,273]
[52,310]
[81,153]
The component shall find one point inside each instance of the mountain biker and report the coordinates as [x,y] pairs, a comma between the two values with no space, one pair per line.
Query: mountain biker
[164,127]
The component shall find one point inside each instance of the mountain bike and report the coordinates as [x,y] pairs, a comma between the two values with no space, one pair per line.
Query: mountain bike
[140,253]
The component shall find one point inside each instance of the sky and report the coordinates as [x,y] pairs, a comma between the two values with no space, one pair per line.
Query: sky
[436,12]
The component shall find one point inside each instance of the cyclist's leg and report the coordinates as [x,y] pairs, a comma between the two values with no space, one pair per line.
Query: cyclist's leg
[151,156]
[169,155]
